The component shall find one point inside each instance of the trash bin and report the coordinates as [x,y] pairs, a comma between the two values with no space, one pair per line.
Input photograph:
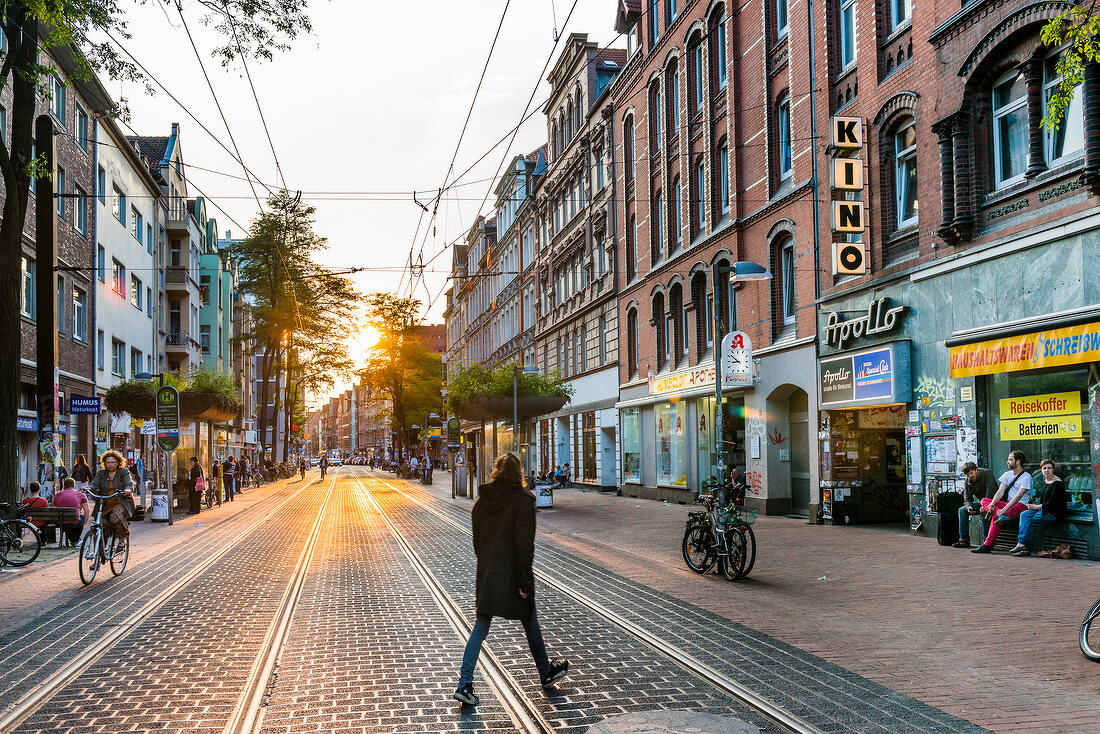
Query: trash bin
[460,481]
[544,495]
[159,503]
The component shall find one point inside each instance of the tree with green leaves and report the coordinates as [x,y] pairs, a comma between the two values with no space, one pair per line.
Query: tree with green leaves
[400,370]
[1078,30]
[249,28]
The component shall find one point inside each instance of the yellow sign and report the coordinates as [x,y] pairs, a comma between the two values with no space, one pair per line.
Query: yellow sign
[1041,406]
[1057,347]
[681,380]
[1052,426]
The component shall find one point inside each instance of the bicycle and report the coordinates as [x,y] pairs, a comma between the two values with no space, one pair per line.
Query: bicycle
[211,496]
[20,541]
[98,548]
[713,536]
[744,519]
[1087,647]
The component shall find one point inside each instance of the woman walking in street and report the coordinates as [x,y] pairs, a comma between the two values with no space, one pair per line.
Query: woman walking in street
[114,478]
[82,473]
[504,542]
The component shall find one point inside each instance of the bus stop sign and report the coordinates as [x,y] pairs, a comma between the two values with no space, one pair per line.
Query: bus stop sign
[168,418]
[454,434]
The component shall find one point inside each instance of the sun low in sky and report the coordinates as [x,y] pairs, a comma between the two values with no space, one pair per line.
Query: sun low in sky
[360,344]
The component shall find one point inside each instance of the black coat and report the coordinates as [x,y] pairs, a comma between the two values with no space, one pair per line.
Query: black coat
[504,541]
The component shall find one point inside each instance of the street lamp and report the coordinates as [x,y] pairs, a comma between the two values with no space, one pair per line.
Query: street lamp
[527,369]
[744,271]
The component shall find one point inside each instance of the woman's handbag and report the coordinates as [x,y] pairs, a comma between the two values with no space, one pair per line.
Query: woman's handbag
[200,484]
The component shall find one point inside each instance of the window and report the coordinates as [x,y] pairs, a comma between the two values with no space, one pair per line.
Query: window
[57,89]
[81,219]
[700,196]
[632,445]
[673,102]
[60,304]
[118,278]
[781,18]
[786,284]
[628,147]
[3,124]
[137,361]
[1009,129]
[900,11]
[118,358]
[905,174]
[82,129]
[783,122]
[654,23]
[149,301]
[27,292]
[724,177]
[659,331]
[80,314]
[149,238]
[60,181]
[136,225]
[632,343]
[135,292]
[848,33]
[677,217]
[118,205]
[718,49]
[204,338]
[670,12]
[101,186]
[631,254]
[695,76]
[654,118]
[603,340]
[101,264]
[658,226]
[1068,139]
[99,350]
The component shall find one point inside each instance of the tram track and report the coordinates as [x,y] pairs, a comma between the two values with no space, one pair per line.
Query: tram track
[41,693]
[509,694]
[707,673]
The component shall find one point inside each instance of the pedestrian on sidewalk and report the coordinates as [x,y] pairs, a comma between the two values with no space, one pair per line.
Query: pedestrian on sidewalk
[504,542]
[229,477]
[82,473]
[216,477]
[1003,512]
[195,487]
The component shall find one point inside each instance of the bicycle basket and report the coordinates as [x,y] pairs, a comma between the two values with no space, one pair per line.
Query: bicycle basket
[741,516]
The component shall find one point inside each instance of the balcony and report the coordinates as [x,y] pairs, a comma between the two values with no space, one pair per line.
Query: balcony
[181,343]
[179,280]
[178,216]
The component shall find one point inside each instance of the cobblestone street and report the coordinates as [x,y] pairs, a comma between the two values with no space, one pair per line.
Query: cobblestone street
[323,606]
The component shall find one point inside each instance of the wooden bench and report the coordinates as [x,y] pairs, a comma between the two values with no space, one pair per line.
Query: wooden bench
[54,517]
[1072,530]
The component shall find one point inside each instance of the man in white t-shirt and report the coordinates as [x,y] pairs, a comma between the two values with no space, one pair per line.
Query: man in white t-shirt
[1015,487]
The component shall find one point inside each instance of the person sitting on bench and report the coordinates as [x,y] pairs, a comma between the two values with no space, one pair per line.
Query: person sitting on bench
[1005,512]
[980,484]
[1049,509]
[35,501]
[70,496]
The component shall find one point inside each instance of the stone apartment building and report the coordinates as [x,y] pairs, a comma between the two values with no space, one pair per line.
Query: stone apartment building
[708,171]
[574,235]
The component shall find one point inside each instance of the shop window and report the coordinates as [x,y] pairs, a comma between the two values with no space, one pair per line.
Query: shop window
[671,427]
[905,174]
[588,422]
[1068,139]
[1009,129]
[632,445]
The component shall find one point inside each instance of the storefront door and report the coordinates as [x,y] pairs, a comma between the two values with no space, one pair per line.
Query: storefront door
[797,412]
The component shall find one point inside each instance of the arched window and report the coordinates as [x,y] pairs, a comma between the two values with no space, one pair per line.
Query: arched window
[718,48]
[672,84]
[724,301]
[632,342]
[784,283]
[631,247]
[677,337]
[554,150]
[722,174]
[704,316]
[695,75]
[659,330]
[569,129]
[628,147]
[655,117]
[677,217]
[563,138]
[657,240]
[905,173]
[578,112]
[699,208]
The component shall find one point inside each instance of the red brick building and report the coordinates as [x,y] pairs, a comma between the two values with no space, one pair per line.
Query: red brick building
[714,165]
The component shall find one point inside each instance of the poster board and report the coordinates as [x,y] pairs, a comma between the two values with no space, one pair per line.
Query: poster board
[941,454]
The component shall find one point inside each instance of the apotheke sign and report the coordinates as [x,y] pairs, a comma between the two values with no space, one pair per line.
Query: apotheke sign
[879,319]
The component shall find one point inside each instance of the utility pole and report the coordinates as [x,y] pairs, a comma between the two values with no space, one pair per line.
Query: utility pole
[45,232]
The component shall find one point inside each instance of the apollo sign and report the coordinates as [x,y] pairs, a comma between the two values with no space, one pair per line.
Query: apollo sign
[880,318]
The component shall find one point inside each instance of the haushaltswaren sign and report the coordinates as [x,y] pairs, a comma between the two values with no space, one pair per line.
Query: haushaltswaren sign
[684,380]
[1056,415]
[875,377]
[1055,348]
[84,406]
[880,318]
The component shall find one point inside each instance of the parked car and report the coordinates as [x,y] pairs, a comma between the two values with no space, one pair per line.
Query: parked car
[314,461]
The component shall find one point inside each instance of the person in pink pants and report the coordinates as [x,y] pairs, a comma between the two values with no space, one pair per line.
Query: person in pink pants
[1014,484]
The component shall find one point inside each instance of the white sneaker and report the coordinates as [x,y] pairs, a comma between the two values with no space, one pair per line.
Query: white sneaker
[1019,547]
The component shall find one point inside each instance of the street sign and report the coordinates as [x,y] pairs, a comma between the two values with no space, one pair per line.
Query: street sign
[454,434]
[168,418]
[88,406]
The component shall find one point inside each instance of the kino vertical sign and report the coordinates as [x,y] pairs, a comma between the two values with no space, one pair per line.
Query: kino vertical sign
[168,419]
[848,217]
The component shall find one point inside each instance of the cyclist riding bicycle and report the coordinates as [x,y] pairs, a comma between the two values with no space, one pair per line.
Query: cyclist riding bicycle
[113,478]
[302,467]
[324,465]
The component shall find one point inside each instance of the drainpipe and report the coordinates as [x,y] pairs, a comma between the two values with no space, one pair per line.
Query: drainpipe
[813,158]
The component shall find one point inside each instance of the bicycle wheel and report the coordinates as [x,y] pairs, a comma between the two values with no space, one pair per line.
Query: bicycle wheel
[89,557]
[117,557]
[698,548]
[750,550]
[20,542]
[1087,647]
[732,565]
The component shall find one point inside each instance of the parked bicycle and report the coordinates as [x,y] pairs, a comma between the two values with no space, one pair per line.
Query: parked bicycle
[99,548]
[211,495]
[714,536]
[732,496]
[1090,643]
[20,541]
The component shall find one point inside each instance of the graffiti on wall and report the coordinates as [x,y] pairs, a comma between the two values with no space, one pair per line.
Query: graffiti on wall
[935,390]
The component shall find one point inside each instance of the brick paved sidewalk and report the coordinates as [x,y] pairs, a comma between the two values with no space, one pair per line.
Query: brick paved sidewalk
[991,639]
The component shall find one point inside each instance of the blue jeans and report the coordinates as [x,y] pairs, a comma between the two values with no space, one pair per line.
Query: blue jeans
[1031,519]
[964,524]
[481,630]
